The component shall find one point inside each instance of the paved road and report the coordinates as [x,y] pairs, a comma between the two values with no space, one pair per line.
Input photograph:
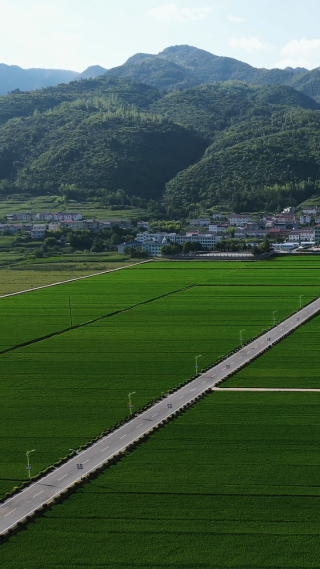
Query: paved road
[43,491]
[286,389]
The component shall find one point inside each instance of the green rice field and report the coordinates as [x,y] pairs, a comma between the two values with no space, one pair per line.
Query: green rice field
[232,483]
[58,393]
[293,363]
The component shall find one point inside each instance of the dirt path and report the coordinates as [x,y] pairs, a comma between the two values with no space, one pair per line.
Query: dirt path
[75,279]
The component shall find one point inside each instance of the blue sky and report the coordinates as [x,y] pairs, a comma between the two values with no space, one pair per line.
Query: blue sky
[73,34]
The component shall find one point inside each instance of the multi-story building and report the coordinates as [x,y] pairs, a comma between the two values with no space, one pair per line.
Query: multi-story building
[237,220]
[305,218]
[200,222]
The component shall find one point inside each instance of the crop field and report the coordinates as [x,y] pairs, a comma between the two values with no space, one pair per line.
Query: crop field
[58,393]
[293,363]
[232,483]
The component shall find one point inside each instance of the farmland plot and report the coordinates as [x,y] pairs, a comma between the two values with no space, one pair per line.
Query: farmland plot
[59,393]
[233,482]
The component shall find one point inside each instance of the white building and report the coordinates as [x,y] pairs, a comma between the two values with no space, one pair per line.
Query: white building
[38,231]
[53,226]
[238,220]
[152,247]
[305,218]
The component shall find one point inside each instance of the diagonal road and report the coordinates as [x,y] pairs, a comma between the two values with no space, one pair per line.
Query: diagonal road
[43,491]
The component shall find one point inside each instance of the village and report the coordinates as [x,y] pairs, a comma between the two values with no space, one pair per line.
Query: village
[285,231]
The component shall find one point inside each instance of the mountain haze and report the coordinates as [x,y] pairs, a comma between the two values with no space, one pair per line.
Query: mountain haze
[13,77]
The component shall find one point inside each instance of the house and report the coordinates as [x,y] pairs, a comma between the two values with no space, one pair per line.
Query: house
[53,226]
[305,218]
[237,220]
[43,216]
[131,244]
[77,225]
[307,234]
[285,219]
[200,222]
[317,233]
[19,217]
[217,216]
[144,224]
[213,227]
[155,237]
[38,231]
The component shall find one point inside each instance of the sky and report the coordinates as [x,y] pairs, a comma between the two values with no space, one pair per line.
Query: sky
[74,34]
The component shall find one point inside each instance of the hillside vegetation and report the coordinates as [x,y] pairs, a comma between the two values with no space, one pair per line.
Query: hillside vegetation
[226,143]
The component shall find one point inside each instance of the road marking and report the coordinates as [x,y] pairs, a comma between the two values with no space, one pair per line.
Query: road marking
[62,477]
[213,375]
[203,382]
[37,494]
[154,415]
[86,461]
[105,448]
[239,358]
[193,390]
[8,514]
[139,426]
[181,397]
[122,437]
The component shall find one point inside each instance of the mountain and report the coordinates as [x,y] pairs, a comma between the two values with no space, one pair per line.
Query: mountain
[97,144]
[25,104]
[183,66]
[155,71]
[226,143]
[91,72]
[13,77]
[211,108]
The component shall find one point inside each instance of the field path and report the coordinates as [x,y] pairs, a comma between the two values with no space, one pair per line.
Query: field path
[50,486]
[76,279]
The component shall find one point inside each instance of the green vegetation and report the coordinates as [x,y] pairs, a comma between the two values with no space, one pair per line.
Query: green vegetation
[294,363]
[113,144]
[234,482]
[69,388]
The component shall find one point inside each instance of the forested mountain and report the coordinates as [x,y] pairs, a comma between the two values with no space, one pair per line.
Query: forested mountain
[156,71]
[187,66]
[13,77]
[226,143]
[24,104]
[96,145]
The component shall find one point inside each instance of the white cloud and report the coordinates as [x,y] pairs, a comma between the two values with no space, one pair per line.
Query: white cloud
[301,62]
[251,45]
[302,48]
[236,19]
[171,13]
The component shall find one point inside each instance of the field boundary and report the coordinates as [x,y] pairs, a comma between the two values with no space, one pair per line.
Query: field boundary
[75,279]
[87,323]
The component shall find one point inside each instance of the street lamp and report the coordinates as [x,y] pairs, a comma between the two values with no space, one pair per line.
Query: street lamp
[196,366]
[241,336]
[268,333]
[130,402]
[300,297]
[28,461]
[274,318]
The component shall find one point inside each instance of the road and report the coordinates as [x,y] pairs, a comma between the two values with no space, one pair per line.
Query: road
[43,491]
